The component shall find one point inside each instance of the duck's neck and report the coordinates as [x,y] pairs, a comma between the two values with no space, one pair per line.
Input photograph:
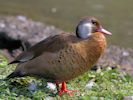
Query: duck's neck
[96,43]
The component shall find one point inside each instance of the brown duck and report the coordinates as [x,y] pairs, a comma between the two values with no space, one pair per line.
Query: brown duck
[63,57]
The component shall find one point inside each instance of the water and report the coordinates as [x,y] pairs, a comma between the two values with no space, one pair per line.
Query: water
[115,15]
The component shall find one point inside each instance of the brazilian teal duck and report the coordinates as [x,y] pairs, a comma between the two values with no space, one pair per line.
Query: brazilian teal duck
[63,57]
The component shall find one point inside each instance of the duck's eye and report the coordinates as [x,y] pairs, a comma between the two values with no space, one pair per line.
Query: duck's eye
[94,22]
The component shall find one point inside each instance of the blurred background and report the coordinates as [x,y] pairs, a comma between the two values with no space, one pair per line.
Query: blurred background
[116,16]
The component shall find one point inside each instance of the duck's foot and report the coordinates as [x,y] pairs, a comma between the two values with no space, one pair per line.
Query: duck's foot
[69,92]
[64,90]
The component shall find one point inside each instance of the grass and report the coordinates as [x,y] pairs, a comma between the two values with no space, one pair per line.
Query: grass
[109,84]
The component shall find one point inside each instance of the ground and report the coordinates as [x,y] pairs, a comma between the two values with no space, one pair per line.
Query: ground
[102,84]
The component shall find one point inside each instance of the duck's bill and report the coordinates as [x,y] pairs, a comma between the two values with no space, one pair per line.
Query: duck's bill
[105,31]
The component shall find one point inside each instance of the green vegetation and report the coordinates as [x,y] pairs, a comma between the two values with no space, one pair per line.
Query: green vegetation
[109,84]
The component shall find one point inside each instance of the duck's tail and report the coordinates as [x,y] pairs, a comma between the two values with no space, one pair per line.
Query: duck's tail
[15,74]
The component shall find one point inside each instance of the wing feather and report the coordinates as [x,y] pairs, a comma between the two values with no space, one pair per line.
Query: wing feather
[50,44]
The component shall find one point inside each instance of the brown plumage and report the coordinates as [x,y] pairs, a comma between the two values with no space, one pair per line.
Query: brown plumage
[63,57]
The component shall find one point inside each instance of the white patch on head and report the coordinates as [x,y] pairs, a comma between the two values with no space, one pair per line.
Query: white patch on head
[85,30]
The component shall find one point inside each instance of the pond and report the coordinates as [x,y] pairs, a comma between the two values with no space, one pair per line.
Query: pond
[115,15]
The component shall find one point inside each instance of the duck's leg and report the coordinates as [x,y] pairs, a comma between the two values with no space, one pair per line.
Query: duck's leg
[65,90]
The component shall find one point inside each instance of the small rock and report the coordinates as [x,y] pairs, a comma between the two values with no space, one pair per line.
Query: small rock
[22,18]
[98,70]
[128,98]
[101,98]
[32,86]
[108,68]
[125,53]
[49,98]
[51,86]
[54,10]
[90,84]
[2,25]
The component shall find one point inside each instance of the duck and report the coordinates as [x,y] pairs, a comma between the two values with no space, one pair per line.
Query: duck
[63,57]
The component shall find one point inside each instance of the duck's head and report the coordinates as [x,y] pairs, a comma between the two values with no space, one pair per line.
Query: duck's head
[88,26]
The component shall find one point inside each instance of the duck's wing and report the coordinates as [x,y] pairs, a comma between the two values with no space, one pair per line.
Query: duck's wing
[50,44]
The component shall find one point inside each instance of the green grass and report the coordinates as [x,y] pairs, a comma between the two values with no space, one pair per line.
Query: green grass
[110,84]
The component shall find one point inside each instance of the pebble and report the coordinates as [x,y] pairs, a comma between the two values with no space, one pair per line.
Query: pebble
[128,98]
[54,10]
[2,25]
[125,53]
[49,98]
[32,86]
[90,84]
[51,86]
[22,18]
